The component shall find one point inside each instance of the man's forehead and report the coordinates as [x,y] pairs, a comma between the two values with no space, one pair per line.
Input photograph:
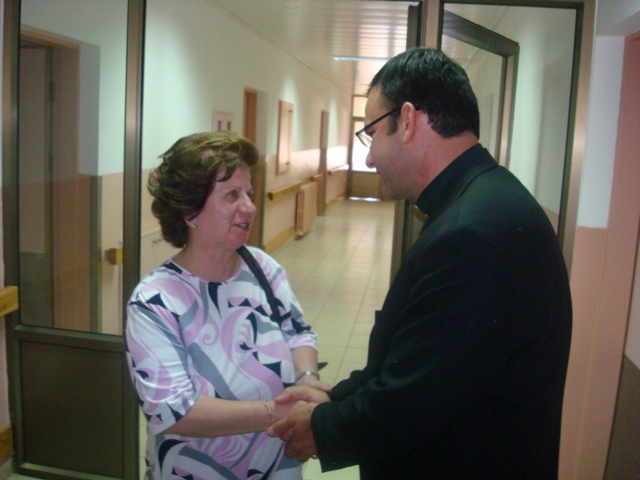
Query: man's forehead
[373,104]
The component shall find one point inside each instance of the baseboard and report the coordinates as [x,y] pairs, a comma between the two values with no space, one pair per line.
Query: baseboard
[280,239]
[335,200]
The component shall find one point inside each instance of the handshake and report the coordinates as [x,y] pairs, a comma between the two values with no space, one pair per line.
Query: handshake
[294,407]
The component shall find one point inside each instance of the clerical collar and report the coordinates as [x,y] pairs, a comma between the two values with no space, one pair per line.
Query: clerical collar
[453,179]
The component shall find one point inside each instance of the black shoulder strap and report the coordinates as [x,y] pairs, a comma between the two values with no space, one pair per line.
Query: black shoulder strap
[244,252]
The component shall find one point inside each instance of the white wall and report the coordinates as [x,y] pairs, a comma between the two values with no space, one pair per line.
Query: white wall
[545,37]
[104,29]
[542,97]
[199,60]
[602,127]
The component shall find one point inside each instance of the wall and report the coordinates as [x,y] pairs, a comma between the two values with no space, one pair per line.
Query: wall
[542,97]
[605,250]
[199,60]
[103,29]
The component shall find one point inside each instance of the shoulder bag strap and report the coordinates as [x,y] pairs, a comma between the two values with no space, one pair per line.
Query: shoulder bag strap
[251,262]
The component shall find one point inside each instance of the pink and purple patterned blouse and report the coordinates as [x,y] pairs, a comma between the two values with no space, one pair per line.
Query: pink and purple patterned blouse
[188,337]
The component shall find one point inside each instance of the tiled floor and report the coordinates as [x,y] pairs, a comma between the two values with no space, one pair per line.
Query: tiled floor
[340,273]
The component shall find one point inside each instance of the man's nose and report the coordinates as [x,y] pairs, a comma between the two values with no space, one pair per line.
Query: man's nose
[369,160]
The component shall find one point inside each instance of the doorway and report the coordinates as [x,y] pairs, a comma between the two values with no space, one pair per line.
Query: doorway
[56,284]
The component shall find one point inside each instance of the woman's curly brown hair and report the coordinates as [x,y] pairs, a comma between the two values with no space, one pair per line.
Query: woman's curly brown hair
[181,184]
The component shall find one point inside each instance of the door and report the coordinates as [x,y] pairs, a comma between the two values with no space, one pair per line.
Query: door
[70,156]
[259,178]
[528,101]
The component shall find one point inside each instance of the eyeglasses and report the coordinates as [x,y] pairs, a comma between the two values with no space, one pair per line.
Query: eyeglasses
[362,134]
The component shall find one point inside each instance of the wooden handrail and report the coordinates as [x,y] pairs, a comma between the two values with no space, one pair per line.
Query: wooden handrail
[337,169]
[284,191]
[8,300]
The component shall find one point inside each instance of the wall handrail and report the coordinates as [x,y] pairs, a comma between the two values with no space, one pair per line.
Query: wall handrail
[284,191]
[339,168]
[8,300]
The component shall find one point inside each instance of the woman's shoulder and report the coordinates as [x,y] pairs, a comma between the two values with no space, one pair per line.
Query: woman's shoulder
[263,258]
[166,279]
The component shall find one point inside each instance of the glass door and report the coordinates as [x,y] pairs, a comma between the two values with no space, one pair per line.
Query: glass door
[522,62]
[68,154]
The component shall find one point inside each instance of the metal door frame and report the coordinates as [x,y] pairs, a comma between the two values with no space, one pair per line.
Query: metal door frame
[429,32]
[17,333]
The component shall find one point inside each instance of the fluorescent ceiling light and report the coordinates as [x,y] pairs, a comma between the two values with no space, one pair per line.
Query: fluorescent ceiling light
[375,59]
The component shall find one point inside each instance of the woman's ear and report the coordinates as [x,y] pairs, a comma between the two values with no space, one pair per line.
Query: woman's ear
[190,221]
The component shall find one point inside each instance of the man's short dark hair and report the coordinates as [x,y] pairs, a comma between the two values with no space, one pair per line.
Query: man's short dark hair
[434,84]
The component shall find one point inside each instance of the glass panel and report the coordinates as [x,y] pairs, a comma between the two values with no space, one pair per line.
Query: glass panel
[359,152]
[485,72]
[71,152]
[543,90]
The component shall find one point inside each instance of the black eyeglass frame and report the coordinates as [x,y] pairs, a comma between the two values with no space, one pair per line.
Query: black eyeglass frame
[364,130]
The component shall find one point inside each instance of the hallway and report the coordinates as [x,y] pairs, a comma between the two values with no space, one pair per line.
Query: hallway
[340,273]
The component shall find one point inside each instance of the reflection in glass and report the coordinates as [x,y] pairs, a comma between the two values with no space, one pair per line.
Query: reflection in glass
[538,149]
[485,73]
[71,152]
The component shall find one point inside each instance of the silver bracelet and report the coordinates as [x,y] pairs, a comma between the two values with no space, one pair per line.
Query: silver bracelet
[308,372]
[271,416]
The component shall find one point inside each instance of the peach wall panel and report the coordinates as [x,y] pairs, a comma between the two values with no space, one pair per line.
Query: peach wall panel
[587,267]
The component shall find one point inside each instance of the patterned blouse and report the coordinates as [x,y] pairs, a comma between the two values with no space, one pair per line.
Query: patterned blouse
[187,337]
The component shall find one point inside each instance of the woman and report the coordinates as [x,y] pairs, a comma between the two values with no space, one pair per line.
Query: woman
[205,355]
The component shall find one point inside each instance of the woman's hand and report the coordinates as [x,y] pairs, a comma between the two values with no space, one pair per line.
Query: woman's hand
[281,409]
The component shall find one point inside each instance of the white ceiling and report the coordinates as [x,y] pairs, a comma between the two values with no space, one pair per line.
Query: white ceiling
[314,31]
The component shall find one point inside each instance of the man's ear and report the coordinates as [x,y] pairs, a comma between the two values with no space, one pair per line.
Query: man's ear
[408,121]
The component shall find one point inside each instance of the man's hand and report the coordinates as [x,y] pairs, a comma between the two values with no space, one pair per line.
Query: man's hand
[302,392]
[295,431]
[312,381]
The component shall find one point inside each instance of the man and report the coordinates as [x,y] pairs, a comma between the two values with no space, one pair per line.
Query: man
[468,356]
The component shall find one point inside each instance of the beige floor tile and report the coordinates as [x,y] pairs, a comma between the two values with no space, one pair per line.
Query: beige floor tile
[333,314]
[335,339]
[355,355]
[331,353]
[358,341]
[362,329]
[346,368]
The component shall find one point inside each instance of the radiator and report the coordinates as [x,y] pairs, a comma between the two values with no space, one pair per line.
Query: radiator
[306,208]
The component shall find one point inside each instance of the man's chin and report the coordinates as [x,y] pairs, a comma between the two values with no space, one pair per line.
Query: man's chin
[390,194]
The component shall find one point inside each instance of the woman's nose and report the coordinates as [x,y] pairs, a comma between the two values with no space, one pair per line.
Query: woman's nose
[247,205]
